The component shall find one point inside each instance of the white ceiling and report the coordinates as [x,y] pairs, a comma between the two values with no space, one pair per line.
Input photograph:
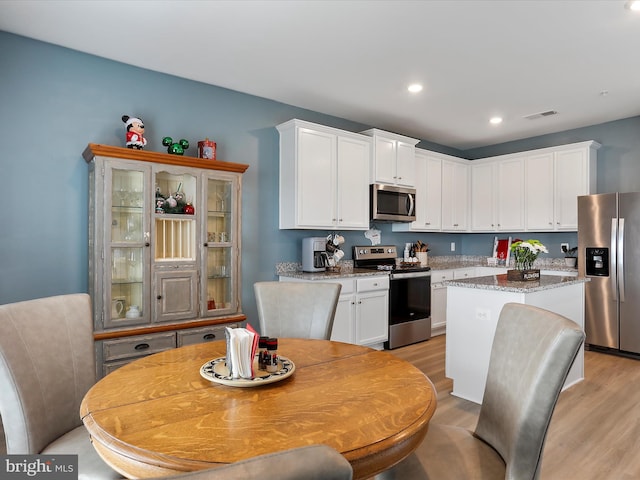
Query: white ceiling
[354,59]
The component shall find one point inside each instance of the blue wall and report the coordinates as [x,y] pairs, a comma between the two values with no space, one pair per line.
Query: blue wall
[55,101]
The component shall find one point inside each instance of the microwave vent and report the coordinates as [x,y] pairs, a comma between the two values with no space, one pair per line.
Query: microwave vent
[535,116]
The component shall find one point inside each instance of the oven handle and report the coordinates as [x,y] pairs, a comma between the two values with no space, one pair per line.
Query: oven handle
[400,275]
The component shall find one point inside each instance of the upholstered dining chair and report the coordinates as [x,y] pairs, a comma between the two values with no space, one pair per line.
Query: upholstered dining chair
[315,462]
[297,309]
[531,355]
[47,365]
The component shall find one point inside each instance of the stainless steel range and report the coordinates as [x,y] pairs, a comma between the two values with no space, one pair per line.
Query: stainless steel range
[409,294]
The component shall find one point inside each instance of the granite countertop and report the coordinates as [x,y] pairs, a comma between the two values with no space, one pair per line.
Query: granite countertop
[346,271]
[294,270]
[501,284]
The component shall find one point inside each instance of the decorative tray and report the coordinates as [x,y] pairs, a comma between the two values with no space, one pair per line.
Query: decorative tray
[216,371]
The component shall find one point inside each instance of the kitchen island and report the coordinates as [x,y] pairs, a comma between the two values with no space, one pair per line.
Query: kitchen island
[473,308]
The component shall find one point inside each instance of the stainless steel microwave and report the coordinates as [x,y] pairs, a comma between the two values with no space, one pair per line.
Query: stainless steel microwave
[392,204]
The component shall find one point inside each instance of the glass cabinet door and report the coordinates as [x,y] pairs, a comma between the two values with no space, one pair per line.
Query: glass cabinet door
[128,242]
[175,255]
[220,241]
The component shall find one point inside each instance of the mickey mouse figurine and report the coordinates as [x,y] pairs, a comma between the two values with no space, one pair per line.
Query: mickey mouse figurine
[135,132]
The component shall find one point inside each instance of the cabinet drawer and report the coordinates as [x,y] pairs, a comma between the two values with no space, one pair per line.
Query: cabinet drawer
[347,286]
[372,283]
[201,335]
[137,346]
[441,275]
[107,368]
[464,273]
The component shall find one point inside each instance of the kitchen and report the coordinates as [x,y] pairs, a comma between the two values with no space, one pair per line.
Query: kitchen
[45,247]
[244,126]
[419,191]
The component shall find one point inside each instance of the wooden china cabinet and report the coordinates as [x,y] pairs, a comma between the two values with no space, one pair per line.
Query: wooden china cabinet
[164,251]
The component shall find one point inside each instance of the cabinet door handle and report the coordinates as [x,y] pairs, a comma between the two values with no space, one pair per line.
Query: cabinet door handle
[141,346]
[159,297]
[147,244]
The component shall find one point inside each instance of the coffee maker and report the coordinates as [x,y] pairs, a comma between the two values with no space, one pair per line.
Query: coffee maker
[314,254]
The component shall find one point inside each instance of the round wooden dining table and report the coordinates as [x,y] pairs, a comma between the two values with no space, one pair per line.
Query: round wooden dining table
[157,416]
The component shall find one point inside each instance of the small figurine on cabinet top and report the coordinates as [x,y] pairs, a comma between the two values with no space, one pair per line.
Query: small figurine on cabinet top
[175,148]
[135,132]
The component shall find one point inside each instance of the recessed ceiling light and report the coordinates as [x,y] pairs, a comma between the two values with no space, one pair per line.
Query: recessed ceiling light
[415,88]
[495,120]
[633,5]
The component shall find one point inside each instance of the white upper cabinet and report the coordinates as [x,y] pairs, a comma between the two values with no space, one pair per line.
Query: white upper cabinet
[428,194]
[554,179]
[455,195]
[539,192]
[324,176]
[393,160]
[497,195]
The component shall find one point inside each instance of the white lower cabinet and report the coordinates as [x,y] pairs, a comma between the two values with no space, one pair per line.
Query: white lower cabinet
[362,314]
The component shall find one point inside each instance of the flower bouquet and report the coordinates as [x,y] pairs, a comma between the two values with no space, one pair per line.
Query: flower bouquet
[525,254]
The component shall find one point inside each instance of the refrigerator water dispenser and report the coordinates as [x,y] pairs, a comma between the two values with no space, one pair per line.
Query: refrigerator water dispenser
[597,262]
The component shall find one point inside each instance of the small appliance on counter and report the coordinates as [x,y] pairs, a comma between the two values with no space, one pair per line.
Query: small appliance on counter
[314,254]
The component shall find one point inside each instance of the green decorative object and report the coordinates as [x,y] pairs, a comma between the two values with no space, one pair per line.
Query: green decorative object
[175,148]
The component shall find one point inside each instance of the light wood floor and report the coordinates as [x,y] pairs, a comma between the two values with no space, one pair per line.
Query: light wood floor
[595,430]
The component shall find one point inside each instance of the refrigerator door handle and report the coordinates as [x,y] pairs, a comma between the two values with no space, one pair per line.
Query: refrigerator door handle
[614,258]
[620,259]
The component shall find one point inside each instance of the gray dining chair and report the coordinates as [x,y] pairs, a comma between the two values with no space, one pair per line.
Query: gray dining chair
[314,462]
[297,309]
[47,365]
[532,352]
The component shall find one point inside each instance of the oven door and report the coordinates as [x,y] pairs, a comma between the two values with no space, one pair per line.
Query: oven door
[409,308]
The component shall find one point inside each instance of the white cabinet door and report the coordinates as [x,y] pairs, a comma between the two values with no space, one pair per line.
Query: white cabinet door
[384,160]
[344,322]
[372,324]
[509,195]
[455,195]
[571,180]
[433,196]
[324,177]
[483,188]
[405,164]
[497,195]
[539,192]
[553,181]
[393,159]
[352,183]
[439,301]
[316,178]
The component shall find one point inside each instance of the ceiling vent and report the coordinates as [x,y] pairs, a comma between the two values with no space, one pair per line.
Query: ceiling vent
[534,116]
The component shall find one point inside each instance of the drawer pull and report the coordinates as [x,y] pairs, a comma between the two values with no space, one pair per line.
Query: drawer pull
[209,336]
[141,346]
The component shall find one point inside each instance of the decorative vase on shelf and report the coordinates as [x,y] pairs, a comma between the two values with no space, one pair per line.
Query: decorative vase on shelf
[525,254]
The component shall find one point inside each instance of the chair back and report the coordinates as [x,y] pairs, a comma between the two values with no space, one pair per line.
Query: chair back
[532,352]
[47,365]
[297,309]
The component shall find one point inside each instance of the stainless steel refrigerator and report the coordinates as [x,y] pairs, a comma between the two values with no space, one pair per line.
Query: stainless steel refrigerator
[609,255]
